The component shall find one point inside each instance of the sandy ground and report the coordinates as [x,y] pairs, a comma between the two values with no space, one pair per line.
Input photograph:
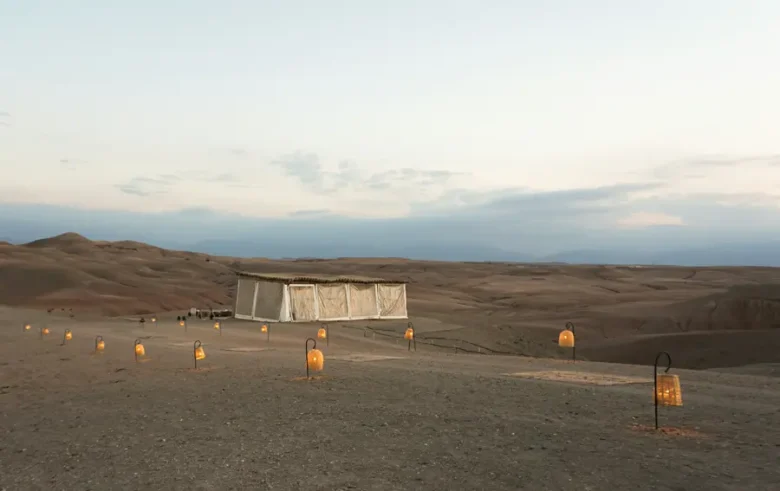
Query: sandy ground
[710,317]
[430,419]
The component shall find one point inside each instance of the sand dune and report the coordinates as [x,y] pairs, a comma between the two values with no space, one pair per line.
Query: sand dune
[709,317]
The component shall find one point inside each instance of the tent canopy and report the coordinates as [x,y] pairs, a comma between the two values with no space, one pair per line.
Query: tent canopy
[307,298]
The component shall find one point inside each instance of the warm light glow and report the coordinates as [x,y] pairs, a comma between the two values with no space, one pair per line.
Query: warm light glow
[181,323]
[316,360]
[200,353]
[139,349]
[264,328]
[216,325]
[100,345]
[68,335]
[322,333]
[566,339]
[409,334]
[27,327]
[45,330]
[668,390]
[154,319]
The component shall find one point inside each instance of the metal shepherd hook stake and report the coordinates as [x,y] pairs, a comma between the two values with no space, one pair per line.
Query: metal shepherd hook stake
[307,353]
[655,381]
[570,326]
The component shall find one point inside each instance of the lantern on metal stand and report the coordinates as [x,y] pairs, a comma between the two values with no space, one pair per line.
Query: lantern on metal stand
[315,361]
[218,327]
[409,336]
[197,352]
[566,340]
[139,349]
[67,336]
[666,388]
[100,345]
[322,333]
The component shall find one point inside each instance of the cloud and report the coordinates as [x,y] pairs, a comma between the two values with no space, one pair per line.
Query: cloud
[308,170]
[310,213]
[149,186]
[691,168]
[643,219]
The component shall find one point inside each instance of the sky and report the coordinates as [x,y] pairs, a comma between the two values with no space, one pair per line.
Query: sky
[517,118]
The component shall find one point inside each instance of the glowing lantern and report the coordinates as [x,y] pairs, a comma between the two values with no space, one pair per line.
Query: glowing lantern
[322,333]
[566,339]
[315,360]
[181,323]
[216,325]
[264,328]
[409,334]
[100,345]
[68,335]
[27,327]
[45,331]
[666,390]
[198,352]
[139,349]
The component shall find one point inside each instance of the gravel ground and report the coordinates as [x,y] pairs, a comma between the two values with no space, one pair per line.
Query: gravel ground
[427,420]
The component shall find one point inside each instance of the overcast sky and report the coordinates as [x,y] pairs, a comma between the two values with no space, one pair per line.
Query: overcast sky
[375,109]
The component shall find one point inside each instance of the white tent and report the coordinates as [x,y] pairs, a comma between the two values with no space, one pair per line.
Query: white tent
[293,298]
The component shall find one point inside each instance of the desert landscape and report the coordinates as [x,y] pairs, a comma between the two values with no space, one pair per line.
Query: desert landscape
[487,401]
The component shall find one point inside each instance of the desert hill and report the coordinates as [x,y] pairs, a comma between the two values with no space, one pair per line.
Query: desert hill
[711,316]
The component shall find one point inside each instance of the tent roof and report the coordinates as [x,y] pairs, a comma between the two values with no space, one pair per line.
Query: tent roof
[315,278]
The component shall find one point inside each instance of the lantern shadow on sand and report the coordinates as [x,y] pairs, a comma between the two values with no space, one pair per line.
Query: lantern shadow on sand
[198,353]
[315,361]
[666,388]
[138,349]
[409,336]
[566,340]
[100,345]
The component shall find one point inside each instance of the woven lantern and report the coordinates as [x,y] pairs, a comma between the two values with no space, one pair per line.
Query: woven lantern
[315,360]
[198,352]
[667,390]
[100,345]
[68,335]
[566,339]
[322,333]
[409,334]
[139,349]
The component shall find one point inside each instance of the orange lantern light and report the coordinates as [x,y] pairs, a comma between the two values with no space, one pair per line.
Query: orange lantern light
[264,328]
[139,349]
[667,391]
[216,325]
[68,335]
[198,352]
[409,334]
[45,331]
[566,339]
[27,327]
[322,333]
[181,323]
[315,360]
[100,345]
